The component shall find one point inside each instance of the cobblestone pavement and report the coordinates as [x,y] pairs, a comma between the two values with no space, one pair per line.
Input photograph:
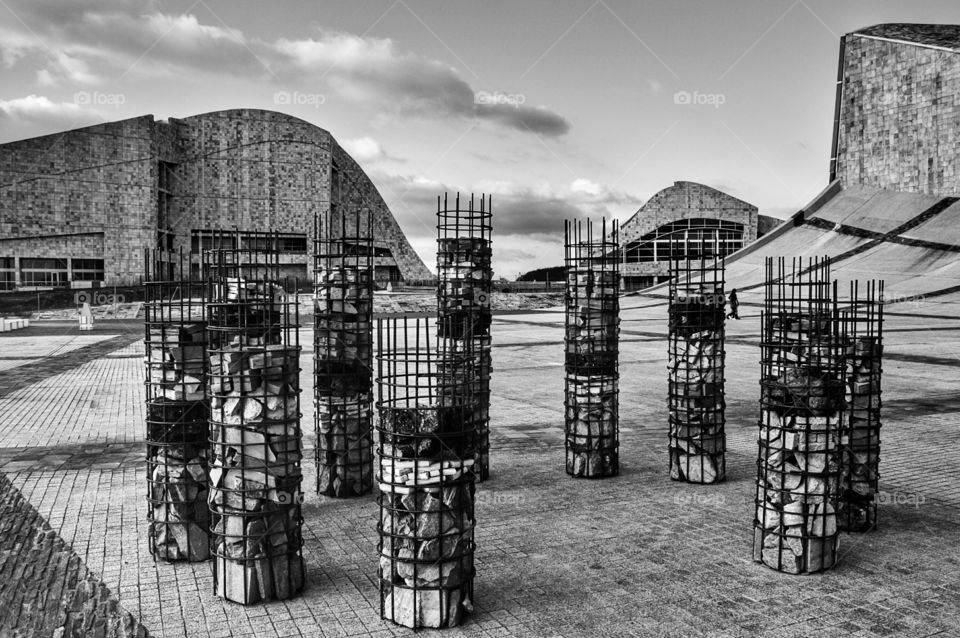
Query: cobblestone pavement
[54,592]
[634,555]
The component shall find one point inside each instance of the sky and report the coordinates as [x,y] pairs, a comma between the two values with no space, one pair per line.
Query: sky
[559,109]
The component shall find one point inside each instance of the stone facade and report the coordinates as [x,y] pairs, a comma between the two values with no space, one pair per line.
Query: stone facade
[682,201]
[689,200]
[898,109]
[107,191]
[86,193]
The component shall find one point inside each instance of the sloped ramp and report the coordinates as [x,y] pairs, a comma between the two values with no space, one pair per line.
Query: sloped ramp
[910,240]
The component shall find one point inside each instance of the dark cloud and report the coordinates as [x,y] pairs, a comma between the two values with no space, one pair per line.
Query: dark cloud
[94,41]
[525,118]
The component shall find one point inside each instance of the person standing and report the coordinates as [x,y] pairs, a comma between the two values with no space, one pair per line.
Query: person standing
[734,305]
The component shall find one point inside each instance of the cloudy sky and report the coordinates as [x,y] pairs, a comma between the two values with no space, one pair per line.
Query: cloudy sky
[558,108]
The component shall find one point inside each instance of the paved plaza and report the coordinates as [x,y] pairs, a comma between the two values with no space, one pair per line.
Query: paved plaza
[635,555]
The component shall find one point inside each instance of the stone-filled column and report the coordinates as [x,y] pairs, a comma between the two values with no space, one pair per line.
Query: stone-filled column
[254,388]
[695,371]
[862,326]
[343,353]
[592,350]
[426,477]
[175,354]
[801,420]
[464,286]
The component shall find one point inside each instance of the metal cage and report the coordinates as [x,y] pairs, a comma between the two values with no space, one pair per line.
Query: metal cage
[802,412]
[343,351]
[464,286]
[254,389]
[861,325]
[176,410]
[695,394]
[425,444]
[592,437]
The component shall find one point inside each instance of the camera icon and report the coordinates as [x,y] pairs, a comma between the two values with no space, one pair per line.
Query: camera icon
[281,97]
[682,97]
[81,97]
[82,297]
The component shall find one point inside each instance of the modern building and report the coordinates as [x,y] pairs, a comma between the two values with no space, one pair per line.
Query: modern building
[897,120]
[691,220]
[83,205]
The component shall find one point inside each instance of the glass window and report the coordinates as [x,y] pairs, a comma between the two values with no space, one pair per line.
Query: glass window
[8,277]
[88,270]
[43,271]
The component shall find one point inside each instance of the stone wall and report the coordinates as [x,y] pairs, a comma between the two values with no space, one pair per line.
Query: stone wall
[689,200]
[96,180]
[252,170]
[899,119]
[243,169]
[386,230]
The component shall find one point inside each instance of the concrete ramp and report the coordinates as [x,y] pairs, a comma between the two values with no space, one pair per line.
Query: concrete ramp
[910,240]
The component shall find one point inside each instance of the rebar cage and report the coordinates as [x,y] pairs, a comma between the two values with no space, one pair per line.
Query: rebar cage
[464,286]
[176,410]
[802,412]
[861,326]
[425,445]
[695,394]
[592,315]
[254,389]
[343,350]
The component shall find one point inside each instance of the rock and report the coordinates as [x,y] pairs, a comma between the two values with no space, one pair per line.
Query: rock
[255,480]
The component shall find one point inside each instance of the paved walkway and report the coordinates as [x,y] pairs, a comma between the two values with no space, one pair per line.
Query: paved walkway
[634,555]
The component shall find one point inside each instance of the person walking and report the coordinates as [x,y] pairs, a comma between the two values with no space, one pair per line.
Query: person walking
[734,305]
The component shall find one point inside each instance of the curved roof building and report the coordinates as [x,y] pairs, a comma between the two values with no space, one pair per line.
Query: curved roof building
[83,205]
[701,219]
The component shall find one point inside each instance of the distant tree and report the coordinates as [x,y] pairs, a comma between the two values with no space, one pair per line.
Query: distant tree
[552,273]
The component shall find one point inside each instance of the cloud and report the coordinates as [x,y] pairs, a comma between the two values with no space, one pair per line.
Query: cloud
[528,219]
[533,119]
[134,39]
[33,114]
[364,149]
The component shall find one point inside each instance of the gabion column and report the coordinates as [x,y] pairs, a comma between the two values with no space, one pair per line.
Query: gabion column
[426,477]
[862,326]
[464,284]
[343,354]
[801,419]
[175,354]
[255,495]
[592,341]
[695,370]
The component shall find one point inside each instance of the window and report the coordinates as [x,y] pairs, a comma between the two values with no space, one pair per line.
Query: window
[201,240]
[43,271]
[295,243]
[699,238]
[165,179]
[292,244]
[8,273]
[87,270]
